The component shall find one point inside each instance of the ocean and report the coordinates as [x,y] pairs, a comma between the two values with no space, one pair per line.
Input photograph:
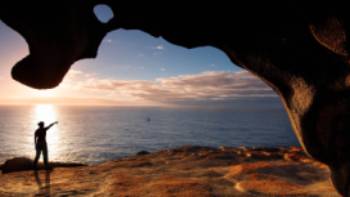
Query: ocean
[95,134]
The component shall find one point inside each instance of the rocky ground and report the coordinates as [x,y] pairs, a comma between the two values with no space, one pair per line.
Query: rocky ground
[186,171]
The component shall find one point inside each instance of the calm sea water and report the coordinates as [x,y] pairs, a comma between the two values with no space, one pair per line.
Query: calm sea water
[94,134]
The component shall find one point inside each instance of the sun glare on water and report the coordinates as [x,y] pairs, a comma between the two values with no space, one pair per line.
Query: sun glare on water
[48,114]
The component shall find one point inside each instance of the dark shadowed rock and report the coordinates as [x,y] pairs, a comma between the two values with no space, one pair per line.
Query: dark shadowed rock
[23,163]
[17,164]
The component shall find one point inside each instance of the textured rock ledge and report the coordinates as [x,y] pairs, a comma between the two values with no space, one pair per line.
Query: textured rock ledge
[185,171]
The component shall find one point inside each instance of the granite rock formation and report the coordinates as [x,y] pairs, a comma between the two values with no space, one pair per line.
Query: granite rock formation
[188,171]
[300,49]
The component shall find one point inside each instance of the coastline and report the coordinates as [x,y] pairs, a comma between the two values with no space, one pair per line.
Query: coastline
[184,171]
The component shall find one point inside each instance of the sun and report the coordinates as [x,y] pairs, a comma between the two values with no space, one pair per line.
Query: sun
[45,112]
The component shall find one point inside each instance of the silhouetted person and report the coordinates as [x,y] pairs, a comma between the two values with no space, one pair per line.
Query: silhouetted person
[40,143]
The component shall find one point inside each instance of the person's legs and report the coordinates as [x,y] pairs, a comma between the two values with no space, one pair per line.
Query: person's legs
[37,156]
[46,159]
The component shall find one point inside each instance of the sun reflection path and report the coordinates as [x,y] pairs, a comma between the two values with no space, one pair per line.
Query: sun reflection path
[48,114]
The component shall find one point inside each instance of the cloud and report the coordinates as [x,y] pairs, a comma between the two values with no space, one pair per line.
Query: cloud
[159,47]
[210,86]
[108,41]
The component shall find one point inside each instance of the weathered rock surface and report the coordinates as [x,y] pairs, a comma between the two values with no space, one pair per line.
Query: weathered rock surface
[186,171]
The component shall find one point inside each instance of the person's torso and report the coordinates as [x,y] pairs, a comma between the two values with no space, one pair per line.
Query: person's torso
[41,134]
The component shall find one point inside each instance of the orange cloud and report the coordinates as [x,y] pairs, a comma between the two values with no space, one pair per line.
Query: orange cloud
[206,86]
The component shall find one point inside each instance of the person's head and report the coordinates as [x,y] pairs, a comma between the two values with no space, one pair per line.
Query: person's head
[41,124]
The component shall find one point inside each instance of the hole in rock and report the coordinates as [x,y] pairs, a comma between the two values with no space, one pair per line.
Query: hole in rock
[103,13]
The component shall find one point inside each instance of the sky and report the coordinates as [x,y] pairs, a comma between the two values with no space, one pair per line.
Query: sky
[135,69]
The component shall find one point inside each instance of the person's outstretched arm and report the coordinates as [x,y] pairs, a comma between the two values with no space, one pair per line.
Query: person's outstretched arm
[48,127]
